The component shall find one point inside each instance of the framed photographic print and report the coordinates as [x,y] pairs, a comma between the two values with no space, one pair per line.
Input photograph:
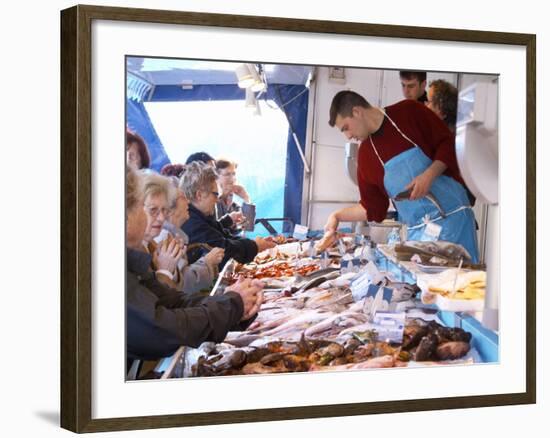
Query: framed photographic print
[395,316]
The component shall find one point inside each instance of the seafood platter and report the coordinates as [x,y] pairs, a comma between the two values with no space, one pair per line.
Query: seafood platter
[314,319]
[284,265]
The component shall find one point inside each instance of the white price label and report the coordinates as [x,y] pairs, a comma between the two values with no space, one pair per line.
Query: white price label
[432,231]
[300,232]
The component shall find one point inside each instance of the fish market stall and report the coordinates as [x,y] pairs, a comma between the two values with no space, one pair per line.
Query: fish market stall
[343,309]
[363,295]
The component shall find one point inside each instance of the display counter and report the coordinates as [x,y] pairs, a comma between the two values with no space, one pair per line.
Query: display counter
[315,319]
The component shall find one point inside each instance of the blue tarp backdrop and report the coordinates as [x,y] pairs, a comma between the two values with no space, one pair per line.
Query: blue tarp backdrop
[138,121]
[293,99]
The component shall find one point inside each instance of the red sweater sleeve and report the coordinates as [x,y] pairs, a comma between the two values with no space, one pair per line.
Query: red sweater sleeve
[373,199]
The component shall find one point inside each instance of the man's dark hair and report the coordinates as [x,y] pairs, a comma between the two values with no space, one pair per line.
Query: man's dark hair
[343,103]
[445,97]
[409,75]
[199,156]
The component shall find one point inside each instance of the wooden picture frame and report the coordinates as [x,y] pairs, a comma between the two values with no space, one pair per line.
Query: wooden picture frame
[76,218]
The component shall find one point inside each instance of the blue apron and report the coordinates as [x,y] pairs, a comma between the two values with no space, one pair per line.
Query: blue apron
[459,224]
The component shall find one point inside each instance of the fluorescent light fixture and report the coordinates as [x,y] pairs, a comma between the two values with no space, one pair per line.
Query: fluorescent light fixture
[258,85]
[249,77]
[246,75]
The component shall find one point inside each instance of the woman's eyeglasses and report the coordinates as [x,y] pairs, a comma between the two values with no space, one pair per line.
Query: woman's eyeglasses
[155,211]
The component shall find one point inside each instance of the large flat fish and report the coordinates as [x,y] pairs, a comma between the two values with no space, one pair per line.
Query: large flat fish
[240,341]
[305,319]
[343,320]
[378,362]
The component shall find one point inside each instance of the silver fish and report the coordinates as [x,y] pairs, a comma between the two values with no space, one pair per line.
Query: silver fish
[405,195]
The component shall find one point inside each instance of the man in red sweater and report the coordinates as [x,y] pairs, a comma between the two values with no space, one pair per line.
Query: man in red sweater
[405,147]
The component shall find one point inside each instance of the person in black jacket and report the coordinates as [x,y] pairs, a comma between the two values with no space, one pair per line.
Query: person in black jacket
[160,319]
[199,183]
[413,85]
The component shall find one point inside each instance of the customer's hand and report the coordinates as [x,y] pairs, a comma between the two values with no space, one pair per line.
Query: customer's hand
[264,244]
[167,255]
[214,257]
[237,217]
[259,300]
[251,292]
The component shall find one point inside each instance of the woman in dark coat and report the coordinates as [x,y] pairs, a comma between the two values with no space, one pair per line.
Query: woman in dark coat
[199,183]
[159,319]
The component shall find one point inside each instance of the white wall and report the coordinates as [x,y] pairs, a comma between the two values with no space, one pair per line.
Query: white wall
[330,182]
[30,218]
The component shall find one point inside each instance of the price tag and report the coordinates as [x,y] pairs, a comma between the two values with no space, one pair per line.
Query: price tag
[389,326]
[351,264]
[369,276]
[374,274]
[378,298]
[300,232]
[432,232]
[341,247]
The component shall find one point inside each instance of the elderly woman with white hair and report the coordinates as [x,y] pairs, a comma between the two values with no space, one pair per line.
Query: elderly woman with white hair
[167,209]
[199,183]
[201,274]
[159,319]
[159,193]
